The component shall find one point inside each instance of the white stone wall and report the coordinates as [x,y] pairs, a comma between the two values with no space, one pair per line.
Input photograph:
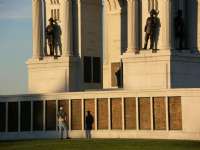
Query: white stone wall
[190,100]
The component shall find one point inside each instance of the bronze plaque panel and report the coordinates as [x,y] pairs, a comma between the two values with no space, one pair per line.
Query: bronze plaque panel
[50,115]
[12,116]
[116,113]
[2,117]
[159,113]
[130,113]
[26,116]
[76,115]
[175,113]
[38,115]
[144,113]
[89,106]
[102,112]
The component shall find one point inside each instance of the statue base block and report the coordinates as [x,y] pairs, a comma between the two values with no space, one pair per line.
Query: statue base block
[53,75]
[161,70]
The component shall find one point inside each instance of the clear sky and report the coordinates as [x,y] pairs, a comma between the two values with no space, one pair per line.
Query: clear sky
[15,45]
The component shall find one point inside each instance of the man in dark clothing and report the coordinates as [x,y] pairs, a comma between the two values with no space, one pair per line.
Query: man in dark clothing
[88,124]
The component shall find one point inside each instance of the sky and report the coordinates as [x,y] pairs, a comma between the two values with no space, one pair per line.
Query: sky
[15,45]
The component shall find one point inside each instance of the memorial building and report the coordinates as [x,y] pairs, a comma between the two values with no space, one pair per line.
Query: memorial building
[134,64]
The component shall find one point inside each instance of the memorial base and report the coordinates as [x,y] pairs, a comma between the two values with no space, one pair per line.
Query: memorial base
[161,70]
[53,75]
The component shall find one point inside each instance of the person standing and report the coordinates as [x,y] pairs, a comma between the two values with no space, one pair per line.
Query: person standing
[62,123]
[88,125]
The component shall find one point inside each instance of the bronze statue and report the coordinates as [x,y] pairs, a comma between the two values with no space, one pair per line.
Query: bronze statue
[152,30]
[156,31]
[57,38]
[179,30]
[49,32]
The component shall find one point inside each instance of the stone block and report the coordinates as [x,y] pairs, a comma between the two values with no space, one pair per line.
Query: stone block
[161,70]
[53,75]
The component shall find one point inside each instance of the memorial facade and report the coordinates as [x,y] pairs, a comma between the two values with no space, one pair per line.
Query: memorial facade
[132,63]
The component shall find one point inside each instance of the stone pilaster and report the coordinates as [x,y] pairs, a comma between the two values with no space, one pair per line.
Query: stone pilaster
[131,7]
[67,28]
[37,28]
[79,27]
[166,26]
[103,26]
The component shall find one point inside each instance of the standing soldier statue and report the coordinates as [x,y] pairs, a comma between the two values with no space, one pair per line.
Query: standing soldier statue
[49,32]
[179,30]
[151,29]
[57,38]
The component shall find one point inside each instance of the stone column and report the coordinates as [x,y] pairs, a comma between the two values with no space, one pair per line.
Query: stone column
[79,27]
[37,28]
[66,28]
[103,25]
[131,13]
[166,26]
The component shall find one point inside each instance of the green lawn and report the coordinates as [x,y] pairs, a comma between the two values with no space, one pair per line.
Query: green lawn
[100,144]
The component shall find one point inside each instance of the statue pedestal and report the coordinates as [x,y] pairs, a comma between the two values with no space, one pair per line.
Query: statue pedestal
[161,70]
[53,75]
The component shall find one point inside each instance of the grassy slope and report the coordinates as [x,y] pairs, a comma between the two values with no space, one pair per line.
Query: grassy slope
[100,145]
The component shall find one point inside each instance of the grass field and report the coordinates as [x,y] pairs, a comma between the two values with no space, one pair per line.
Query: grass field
[100,144]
